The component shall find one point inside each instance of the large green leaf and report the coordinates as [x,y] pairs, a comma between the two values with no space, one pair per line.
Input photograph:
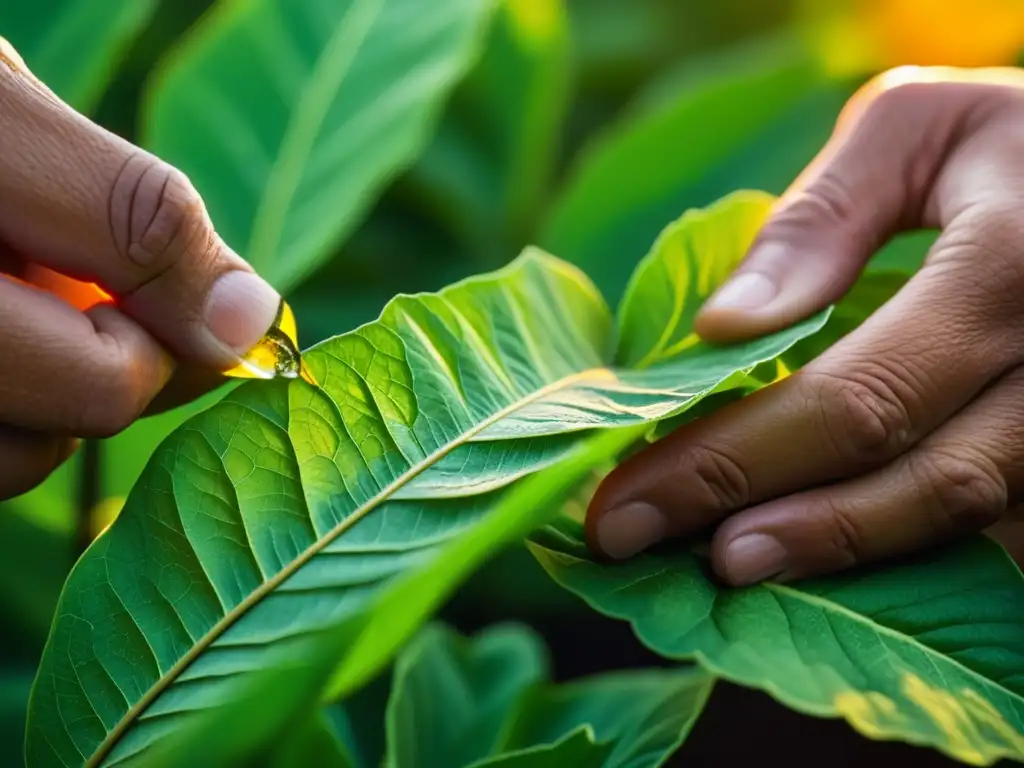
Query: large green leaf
[73,45]
[930,650]
[487,172]
[124,456]
[288,508]
[486,702]
[755,123]
[265,703]
[290,115]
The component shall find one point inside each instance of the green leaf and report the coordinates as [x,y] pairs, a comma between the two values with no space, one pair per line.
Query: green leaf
[578,749]
[485,701]
[311,743]
[752,125]
[268,699]
[358,721]
[928,650]
[672,282]
[452,696]
[290,116]
[125,455]
[352,507]
[74,45]
[488,170]
[636,718]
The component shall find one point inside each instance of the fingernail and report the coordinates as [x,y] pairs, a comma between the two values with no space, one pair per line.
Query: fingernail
[753,558]
[747,291]
[623,531]
[240,309]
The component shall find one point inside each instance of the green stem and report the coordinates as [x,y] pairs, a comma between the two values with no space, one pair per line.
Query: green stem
[90,492]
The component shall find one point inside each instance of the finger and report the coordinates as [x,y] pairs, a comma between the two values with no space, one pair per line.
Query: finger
[959,480]
[27,458]
[89,205]
[913,364]
[876,176]
[88,375]
[188,382]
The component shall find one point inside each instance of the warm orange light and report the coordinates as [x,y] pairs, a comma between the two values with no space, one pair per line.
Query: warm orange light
[961,33]
[81,295]
[859,36]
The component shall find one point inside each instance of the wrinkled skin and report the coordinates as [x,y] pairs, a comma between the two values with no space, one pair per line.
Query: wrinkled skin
[910,430]
[79,201]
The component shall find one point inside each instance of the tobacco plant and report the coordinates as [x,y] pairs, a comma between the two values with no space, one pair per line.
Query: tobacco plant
[283,545]
[267,593]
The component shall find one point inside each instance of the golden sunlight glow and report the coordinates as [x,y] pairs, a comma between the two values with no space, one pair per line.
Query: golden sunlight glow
[858,36]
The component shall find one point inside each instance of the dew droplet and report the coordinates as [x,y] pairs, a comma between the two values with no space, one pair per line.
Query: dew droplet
[277,354]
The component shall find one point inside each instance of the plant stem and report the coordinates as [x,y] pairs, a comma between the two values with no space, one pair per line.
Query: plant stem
[89,494]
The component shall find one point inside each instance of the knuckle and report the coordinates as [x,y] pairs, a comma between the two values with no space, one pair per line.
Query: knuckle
[713,479]
[117,396]
[844,540]
[997,237]
[829,199]
[862,416]
[981,262]
[156,215]
[966,491]
[826,202]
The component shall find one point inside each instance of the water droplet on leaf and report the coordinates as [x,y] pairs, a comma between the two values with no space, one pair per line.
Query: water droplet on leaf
[277,354]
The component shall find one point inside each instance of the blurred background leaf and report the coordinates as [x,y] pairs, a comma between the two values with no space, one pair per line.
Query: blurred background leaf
[751,120]
[490,166]
[290,144]
[74,46]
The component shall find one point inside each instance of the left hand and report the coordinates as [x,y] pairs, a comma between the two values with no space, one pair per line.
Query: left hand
[177,305]
[908,431]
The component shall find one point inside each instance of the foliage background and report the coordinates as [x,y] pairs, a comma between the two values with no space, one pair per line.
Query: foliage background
[584,127]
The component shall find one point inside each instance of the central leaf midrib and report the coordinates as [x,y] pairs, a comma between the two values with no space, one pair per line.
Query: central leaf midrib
[268,586]
[828,605]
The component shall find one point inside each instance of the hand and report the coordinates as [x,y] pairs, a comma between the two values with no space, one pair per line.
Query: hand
[908,431]
[78,200]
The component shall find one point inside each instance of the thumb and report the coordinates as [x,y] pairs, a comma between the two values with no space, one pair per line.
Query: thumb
[870,181]
[83,202]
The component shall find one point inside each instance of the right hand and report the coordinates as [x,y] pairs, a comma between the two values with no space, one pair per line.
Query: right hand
[910,430]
